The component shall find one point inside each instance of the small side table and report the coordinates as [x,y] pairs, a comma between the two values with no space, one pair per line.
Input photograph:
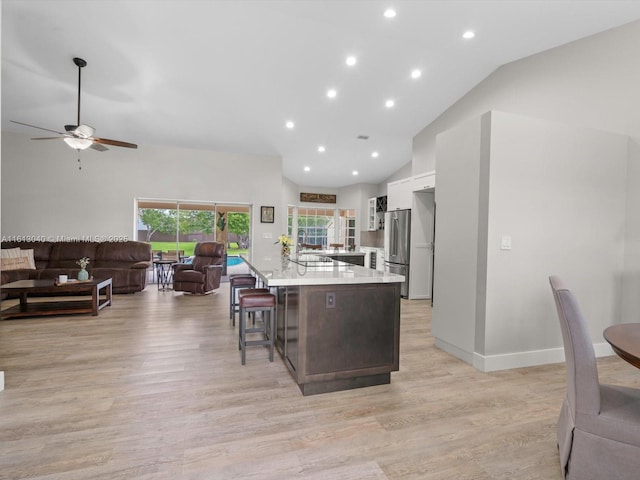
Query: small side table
[164,273]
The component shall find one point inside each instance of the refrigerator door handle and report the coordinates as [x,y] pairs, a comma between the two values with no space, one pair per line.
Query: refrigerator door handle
[394,237]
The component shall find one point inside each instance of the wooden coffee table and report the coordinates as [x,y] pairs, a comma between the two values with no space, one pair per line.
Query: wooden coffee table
[57,305]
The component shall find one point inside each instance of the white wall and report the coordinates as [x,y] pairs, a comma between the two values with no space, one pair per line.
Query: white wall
[455,288]
[290,196]
[591,83]
[560,193]
[44,193]
[631,276]
[403,172]
[357,196]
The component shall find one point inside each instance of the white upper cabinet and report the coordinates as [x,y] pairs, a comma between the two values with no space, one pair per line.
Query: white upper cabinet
[371,214]
[399,194]
[424,181]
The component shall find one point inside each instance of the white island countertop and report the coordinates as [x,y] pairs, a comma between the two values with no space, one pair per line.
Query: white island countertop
[314,269]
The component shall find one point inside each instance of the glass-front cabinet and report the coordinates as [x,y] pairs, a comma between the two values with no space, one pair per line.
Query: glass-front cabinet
[376,210]
[371,218]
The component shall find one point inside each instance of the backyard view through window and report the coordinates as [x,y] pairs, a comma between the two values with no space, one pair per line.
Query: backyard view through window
[321,226]
[173,228]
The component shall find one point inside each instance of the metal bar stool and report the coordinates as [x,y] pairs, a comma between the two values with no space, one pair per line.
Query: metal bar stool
[257,302]
[237,282]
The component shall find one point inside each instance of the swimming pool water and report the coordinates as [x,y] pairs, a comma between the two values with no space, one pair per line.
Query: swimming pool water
[234,261]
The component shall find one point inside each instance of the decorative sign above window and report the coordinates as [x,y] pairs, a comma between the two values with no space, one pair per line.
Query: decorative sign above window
[318,197]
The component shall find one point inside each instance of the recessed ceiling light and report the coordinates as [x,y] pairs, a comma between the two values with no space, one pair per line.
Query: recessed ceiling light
[374,154]
[355,172]
[321,148]
[389,13]
[351,60]
[389,103]
[307,169]
[415,73]
[468,34]
[331,93]
[290,124]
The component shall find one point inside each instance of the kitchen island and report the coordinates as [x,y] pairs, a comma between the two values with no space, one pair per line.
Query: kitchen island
[337,324]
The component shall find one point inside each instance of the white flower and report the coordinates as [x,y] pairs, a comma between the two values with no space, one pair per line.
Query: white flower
[83,262]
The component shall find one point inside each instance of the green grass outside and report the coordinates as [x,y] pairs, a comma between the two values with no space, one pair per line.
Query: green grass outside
[188,248]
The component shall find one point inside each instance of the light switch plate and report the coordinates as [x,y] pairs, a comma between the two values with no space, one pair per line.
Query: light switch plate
[505,242]
[331,300]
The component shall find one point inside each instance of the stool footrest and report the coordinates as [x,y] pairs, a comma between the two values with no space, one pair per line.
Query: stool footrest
[257,343]
[254,330]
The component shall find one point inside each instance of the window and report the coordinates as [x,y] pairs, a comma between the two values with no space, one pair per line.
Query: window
[316,226]
[321,226]
[290,216]
[347,227]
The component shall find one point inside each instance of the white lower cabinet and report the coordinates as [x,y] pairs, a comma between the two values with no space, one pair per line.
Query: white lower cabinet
[380,259]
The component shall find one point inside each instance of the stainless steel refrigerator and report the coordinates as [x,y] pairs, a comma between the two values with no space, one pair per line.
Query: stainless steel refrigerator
[397,236]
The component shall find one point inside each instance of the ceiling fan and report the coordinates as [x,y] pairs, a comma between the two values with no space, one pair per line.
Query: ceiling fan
[80,136]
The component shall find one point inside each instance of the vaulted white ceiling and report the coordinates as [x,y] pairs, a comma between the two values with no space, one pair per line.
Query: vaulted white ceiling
[226,75]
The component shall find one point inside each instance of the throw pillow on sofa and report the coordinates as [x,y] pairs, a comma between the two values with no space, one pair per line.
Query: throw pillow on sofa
[19,253]
[15,263]
[10,252]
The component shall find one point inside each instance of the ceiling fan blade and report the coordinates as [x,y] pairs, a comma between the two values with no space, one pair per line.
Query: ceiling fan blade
[99,147]
[39,128]
[115,143]
[80,136]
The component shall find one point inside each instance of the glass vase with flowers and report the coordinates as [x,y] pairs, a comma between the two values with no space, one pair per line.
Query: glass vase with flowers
[83,275]
[285,249]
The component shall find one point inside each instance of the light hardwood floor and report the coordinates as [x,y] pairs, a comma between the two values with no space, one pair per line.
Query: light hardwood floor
[153,388]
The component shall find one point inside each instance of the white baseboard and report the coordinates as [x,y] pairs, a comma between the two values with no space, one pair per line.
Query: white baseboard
[603,349]
[419,297]
[1,380]
[532,358]
[455,351]
[491,363]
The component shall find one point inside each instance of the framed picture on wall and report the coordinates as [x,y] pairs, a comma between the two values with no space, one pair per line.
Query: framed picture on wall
[266,214]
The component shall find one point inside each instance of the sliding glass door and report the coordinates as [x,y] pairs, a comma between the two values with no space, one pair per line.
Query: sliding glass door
[174,227]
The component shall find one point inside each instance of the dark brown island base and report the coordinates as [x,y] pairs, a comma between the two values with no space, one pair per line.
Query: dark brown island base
[338,325]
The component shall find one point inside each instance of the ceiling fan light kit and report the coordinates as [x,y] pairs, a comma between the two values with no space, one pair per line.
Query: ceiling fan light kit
[79,136]
[78,143]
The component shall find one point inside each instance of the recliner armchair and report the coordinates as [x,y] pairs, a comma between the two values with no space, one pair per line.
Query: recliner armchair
[599,425]
[204,273]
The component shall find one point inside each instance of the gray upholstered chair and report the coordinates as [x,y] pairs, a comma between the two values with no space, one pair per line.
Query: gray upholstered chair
[599,425]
